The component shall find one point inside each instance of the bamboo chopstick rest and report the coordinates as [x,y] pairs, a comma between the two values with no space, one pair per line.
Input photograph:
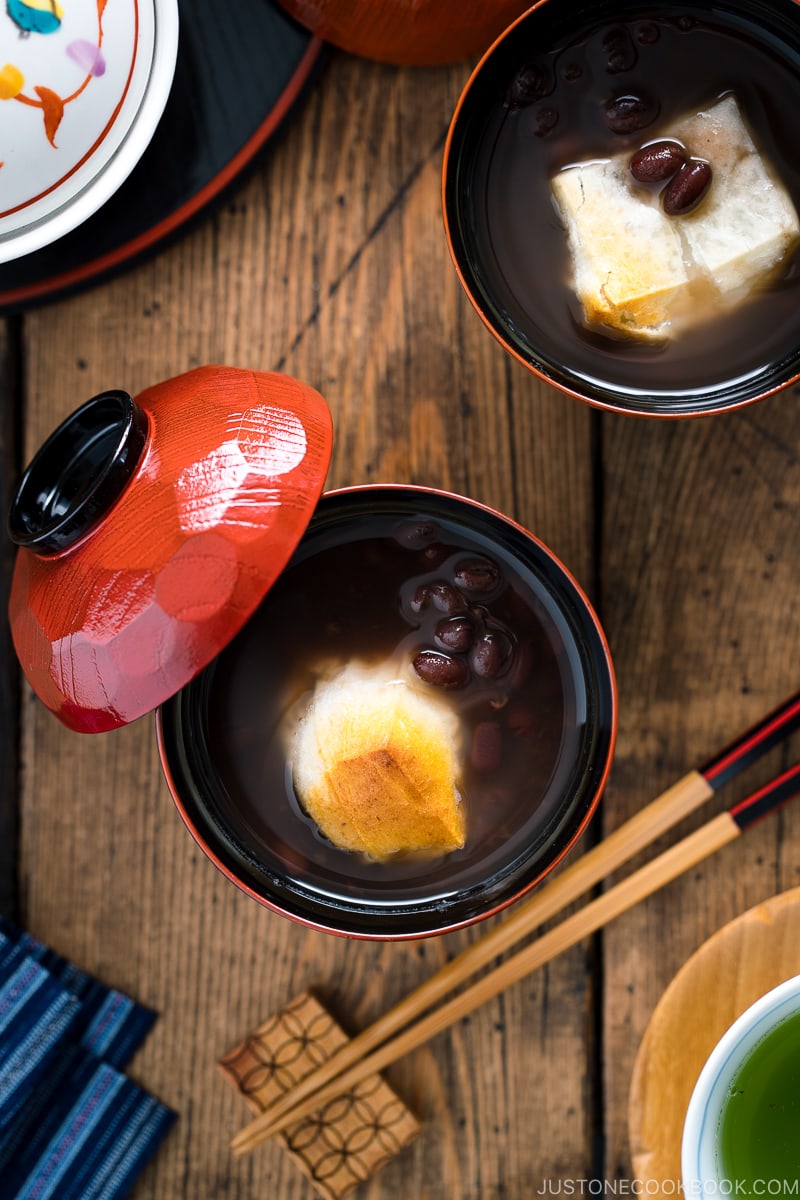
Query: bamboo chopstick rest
[352,1136]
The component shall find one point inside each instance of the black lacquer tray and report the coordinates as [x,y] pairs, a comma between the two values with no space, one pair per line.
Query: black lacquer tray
[241,69]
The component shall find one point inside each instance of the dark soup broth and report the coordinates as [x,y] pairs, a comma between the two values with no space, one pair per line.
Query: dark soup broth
[539,111]
[419,588]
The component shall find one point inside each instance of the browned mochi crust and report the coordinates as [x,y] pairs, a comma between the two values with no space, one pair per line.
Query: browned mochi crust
[646,274]
[375,765]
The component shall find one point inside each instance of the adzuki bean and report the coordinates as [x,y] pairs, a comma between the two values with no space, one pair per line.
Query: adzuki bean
[629,114]
[445,598]
[686,189]
[420,599]
[621,51]
[490,654]
[416,534]
[657,162]
[544,121]
[647,34]
[478,576]
[531,83]
[455,633]
[441,670]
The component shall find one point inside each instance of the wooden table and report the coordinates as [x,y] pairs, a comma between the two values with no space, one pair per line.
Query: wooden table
[330,263]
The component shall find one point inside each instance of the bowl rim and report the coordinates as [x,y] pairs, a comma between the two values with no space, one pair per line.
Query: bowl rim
[686,412]
[601,659]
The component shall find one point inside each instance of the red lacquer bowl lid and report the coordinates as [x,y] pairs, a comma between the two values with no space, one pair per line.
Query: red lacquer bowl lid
[151,529]
[412,33]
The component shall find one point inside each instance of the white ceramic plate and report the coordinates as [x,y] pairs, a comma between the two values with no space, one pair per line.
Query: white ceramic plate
[83,84]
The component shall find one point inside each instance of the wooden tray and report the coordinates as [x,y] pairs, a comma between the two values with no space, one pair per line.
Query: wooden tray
[741,962]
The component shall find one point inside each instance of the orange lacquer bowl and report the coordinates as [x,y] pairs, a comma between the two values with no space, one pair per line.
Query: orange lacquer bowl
[407,32]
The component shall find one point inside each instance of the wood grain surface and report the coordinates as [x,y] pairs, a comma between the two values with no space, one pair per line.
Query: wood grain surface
[330,263]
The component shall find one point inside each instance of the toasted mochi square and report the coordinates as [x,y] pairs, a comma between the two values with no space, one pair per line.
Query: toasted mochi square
[644,274]
[746,224]
[375,765]
[627,257]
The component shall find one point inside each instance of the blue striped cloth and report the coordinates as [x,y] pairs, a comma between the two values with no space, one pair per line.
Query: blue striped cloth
[72,1125]
[112,1025]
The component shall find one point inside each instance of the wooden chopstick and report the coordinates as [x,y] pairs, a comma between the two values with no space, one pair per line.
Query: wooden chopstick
[679,800]
[706,840]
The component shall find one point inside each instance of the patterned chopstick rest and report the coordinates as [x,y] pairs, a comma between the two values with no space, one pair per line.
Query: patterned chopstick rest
[72,1126]
[354,1135]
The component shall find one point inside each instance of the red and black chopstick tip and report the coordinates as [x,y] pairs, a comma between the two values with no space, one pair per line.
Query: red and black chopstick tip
[751,745]
[767,798]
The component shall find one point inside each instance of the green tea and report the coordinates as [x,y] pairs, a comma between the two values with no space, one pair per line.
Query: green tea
[759,1132]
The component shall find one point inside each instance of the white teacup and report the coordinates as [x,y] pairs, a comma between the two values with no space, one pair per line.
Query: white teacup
[83,84]
[703,1170]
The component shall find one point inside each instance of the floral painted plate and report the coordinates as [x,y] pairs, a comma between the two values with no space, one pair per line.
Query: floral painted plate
[83,84]
[239,71]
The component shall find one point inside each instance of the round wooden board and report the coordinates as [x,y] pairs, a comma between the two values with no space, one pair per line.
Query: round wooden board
[741,962]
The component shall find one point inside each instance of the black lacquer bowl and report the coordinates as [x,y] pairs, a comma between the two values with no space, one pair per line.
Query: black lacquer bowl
[346,591]
[506,235]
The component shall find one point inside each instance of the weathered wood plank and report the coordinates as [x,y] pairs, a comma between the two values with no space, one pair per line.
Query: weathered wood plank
[700,582]
[329,264]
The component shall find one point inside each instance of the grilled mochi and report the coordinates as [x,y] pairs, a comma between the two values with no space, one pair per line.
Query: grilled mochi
[646,275]
[375,763]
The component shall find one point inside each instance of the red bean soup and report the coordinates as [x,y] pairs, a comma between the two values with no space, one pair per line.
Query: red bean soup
[568,85]
[474,610]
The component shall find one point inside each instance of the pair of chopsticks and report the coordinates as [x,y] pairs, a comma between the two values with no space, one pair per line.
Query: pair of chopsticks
[372,1050]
